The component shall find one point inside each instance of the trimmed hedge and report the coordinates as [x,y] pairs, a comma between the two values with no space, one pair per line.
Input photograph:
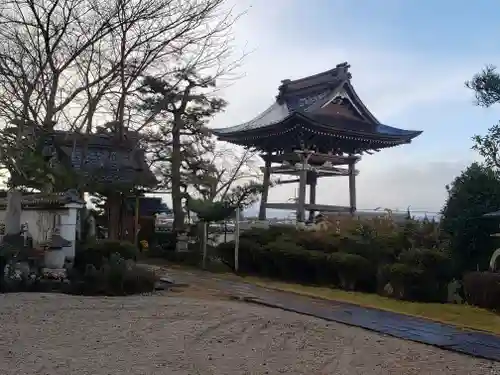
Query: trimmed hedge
[419,275]
[286,260]
[482,289]
[363,260]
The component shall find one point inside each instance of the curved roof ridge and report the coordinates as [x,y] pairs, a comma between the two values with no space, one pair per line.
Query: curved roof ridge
[299,80]
[338,68]
[339,73]
[355,96]
[273,114]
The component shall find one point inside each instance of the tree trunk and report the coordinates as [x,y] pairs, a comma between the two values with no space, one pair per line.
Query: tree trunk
[114,203]
[176,179]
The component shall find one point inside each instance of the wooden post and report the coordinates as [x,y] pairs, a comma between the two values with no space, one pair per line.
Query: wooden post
[352,186]
[204,233]
[237,241]
[312,196]
[265,192]
[225,230]
[136,221]
[301,213]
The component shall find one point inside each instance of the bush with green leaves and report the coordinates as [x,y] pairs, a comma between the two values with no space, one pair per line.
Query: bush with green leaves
[419,275]
[162,244]
[95,253]
[264,236]
[284,259]
[364,261]
[471,195]
[320,241]
[116,276]
[482,289]
[352,270]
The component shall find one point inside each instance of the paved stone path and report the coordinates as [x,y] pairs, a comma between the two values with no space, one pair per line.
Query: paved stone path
[476,344]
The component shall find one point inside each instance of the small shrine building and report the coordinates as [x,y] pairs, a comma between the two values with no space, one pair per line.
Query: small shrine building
[98,162]
[317,127]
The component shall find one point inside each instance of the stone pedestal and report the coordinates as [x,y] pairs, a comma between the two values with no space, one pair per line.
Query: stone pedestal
[182,243]
[54,259]
[13,214]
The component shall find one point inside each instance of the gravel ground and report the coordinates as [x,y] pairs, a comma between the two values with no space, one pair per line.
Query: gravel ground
[179,334]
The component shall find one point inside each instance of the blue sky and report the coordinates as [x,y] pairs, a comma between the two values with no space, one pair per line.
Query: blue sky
[409,61]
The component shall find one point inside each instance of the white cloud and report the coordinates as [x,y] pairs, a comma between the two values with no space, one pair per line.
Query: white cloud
[389,81]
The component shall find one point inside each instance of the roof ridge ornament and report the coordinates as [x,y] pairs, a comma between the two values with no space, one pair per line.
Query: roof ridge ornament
[342,71]
[282,91]
[329,80]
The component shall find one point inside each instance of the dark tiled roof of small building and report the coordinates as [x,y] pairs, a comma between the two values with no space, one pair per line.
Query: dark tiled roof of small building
[46,199]
[101,159]
[55,242]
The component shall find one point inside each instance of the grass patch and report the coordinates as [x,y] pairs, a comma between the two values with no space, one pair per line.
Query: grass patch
[462,316]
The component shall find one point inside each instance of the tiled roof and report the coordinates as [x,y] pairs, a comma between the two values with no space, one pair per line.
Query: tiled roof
[55,242]
[274,114]
[302,94]
[101,159]
[309,97]
[47,199]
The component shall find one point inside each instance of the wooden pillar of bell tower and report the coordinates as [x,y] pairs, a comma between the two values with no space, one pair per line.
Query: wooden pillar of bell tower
[352,185]
[312,182]
[265,192]
[301,204]
[303,171]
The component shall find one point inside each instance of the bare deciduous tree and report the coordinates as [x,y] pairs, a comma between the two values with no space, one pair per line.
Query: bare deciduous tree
[71,60]
[75,64]
[223,172]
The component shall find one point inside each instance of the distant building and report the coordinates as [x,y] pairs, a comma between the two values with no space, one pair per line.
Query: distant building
[149,208]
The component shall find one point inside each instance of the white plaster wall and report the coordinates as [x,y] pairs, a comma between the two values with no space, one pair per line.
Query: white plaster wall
[40,223]
[68,226]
